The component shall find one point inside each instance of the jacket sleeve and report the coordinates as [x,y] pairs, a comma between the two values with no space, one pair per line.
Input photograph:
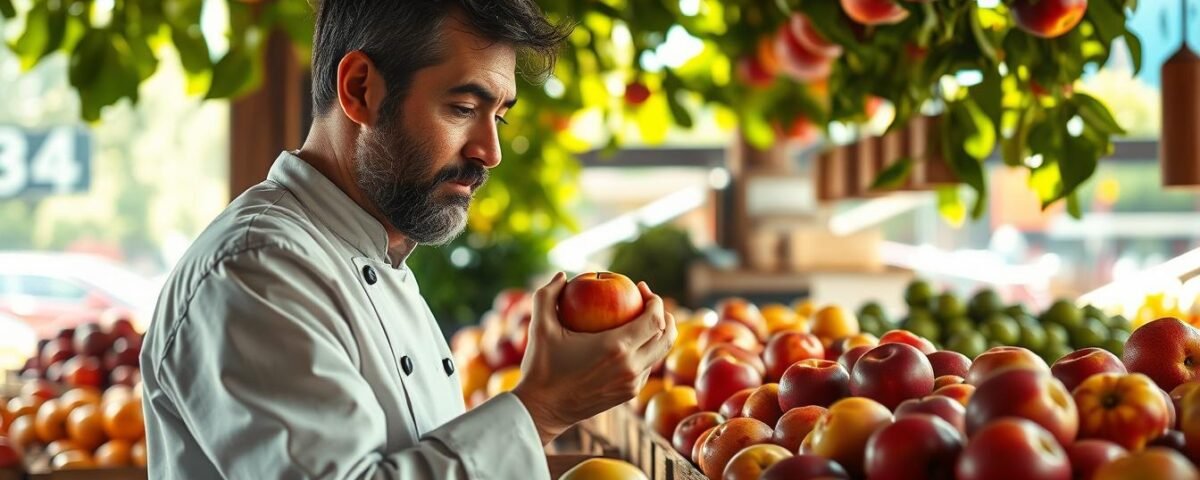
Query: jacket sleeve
[262,370]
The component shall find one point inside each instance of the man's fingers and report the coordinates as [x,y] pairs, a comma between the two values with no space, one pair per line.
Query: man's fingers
[643,328]
[545,300]
[654,350]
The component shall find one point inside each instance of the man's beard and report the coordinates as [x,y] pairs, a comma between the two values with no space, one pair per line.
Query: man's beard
[393,170]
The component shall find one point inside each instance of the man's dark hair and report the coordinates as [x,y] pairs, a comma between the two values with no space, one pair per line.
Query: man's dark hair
[402,36]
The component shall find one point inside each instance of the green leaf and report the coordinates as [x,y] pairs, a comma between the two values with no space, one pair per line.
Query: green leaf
[985,43]
[1078,163]
[678,111]
[1107,18]
[232,74]
[32,42]
[1096,114]
[1134,44]
[950,206]
[192,48]
[893,176]
[6,9]
[1073,206]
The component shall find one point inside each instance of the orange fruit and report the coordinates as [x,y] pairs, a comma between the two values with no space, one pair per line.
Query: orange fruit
[6,419]
[652,386]
[604,469]
[804,308]
[51,421]
[779,317]
[115,453]
[58,446]
[79,396]
[669,407]
[475,375]
[688,332]
[123,420]
[137,453]
[21,406]
[72,460]
[503,380]
[834,322]
[22,434]
[682,363]
[85,426]
[115,393]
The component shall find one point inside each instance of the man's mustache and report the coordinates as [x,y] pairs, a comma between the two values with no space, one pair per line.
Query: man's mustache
[471,174]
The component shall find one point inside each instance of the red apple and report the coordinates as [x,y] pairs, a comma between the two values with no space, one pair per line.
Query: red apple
[124,375]
[1011,448]
[732,352]
[917,446]
[56,351]
[892,373]
[689,429]
[1048,18]
[123,328]
[788,347]
[945,408]
[1028,394]
[805,467]
[960,393]
[997,359]
[126,350]
[721,379]
[91,340]
[744,312]
[732,406]
[794,425]
[763,404]
[1127,409]
[874,12]
[84,372]
[9,456]
[908,338]
[1177,395]
[848,359]
[1089,455]
[636,93]
[946,362]
[598,301]
[813,382]
[1166,350]
[1077,366]
[727,440]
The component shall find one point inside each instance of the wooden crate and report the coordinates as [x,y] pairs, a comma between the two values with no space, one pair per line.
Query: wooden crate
[95,474]
[640,446]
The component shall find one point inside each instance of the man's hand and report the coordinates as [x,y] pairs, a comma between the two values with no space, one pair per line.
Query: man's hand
[569,376]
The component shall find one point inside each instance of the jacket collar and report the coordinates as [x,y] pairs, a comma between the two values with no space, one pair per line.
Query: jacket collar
[336,210]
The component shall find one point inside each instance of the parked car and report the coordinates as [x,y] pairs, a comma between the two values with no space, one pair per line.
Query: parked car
[52,291]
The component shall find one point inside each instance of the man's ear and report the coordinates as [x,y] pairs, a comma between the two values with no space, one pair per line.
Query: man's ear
[360,88]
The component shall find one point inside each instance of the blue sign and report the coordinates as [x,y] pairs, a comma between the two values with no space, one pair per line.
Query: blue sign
[48,162]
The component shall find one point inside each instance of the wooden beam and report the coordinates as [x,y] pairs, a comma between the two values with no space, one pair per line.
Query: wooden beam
[270,120]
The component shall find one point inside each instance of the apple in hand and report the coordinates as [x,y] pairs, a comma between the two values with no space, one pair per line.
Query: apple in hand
[1077,366]
[598,301]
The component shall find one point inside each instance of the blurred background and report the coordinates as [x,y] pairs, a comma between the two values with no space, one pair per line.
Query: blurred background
[758,149]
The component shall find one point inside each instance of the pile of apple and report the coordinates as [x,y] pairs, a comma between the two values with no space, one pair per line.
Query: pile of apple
[779,394]
[80,402]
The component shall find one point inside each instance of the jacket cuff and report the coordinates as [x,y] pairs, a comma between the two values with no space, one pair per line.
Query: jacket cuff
[496,439]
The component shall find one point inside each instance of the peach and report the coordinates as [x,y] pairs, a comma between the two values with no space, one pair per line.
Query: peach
[945,408]
[946,362]
[744,312]
[1087,456]
[698,447]
[805,467]
[1011,448]
[1077,366]
[813,382]
[690,428]
[788,347]
[1048,18]
[1177,394]
[908,338]
[851,357]
[997,359]
[960,393]
[734,352]
[669,407]
[1127,409]
[1156,462]
[729,331]
[1028,394]
[843,432]
[651,388]
[794,425]
[892,373]
[732,406]
[727,440]
[682,364]
[721,379]
[833,322]
[917,446]
[1166,350]
[945,380]
[750,462]
[763,404]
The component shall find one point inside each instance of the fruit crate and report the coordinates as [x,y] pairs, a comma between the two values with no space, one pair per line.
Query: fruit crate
[92,474]
[634,442]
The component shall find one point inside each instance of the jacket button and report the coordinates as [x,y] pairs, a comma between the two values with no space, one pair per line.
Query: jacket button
[448,365]
[369,275]
[407,365]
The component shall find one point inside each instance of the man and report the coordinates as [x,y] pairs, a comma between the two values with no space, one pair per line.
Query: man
[292,342]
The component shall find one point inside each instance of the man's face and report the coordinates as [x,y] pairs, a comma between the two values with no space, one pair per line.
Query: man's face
[421,165]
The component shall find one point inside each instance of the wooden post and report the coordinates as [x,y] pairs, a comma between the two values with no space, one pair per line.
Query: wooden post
[270,120]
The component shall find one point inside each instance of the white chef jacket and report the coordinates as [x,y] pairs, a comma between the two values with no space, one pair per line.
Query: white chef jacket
[289,344]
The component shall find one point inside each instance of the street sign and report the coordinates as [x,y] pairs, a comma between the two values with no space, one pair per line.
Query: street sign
[46,162]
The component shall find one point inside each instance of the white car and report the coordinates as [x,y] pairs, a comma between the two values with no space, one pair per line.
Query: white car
[51,291]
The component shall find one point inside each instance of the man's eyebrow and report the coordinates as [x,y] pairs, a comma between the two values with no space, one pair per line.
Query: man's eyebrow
[481,92]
